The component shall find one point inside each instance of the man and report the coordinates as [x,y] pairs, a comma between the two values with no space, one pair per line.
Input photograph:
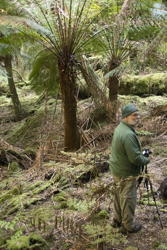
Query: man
[125,164]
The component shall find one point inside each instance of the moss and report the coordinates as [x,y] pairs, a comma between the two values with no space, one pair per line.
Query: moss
[20,243]
[144,84]
[62,205]
[62,196]
[41,188]
[21,197]
[131,248]
[150,202]
[103,214]
[32,241]
[4,100]
[34,185]
[9,194]
[27,129]
[16,199]
[3,238]
[14,167]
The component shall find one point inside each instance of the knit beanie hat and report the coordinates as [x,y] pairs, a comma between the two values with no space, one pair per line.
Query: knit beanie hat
[128,110]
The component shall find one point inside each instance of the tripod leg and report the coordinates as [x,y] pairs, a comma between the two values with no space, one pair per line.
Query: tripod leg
[152,193]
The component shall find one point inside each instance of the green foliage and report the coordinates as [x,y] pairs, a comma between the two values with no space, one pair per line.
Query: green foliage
[20,197]
[104,233]
[10,39]
[16,190]
[143,32]
[74,204]
[103,214]
[62,196]
[117,71]
[131,248]
[144,84]
[162,247]
[80,205]
[9,8]
[44,75]
[40,218]
[32,241]
[24,131]
[8,225]
[150,202]
[144,133]
[14,166]
[12,231]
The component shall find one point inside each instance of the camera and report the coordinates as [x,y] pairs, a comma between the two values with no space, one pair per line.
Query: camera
[146,152]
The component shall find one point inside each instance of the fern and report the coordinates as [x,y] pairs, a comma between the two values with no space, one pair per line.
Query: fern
[143,32]
[80,205]
[8,225]
[104,233]
[17,235]
[162,247]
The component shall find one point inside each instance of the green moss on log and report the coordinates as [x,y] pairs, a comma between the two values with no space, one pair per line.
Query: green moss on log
[26,130]
[144,84]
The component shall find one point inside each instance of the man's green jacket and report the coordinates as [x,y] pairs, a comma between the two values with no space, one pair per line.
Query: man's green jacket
[126,156]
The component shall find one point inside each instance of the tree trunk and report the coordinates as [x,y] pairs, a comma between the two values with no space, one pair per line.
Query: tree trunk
[12,88]
[92,80]
[125,10]
[68,90]
[93,83]
[113,85]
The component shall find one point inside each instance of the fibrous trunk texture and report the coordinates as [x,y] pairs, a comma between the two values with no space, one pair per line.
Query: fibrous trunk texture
[68,90]
[12,88]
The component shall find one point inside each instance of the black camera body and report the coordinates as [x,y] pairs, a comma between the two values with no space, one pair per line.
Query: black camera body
[146,152]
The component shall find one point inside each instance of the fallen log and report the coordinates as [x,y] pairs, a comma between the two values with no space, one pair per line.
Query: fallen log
[10,154]
[99,167]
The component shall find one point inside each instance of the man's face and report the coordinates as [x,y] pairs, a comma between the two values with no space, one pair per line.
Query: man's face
[132,119]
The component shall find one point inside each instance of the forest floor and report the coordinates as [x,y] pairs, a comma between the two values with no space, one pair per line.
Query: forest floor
[64,201]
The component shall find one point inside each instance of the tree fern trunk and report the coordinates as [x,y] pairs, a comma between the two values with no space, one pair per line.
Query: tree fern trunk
[71,133]
[113,85]
[12,88]
[93,83]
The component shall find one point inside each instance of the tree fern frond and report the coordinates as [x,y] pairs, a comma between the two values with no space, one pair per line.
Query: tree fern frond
[19,22]
[143,32]
[44,75]
[114,72]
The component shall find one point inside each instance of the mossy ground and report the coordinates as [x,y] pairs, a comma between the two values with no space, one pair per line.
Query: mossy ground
[45,207]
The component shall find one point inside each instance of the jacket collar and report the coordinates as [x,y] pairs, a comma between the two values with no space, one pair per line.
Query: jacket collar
[128,125]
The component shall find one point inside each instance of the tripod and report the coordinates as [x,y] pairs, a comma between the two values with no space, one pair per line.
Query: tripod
[148,185]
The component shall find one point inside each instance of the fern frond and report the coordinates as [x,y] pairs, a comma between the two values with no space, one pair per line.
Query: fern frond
[44,75]
[7,225]
[114,72]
